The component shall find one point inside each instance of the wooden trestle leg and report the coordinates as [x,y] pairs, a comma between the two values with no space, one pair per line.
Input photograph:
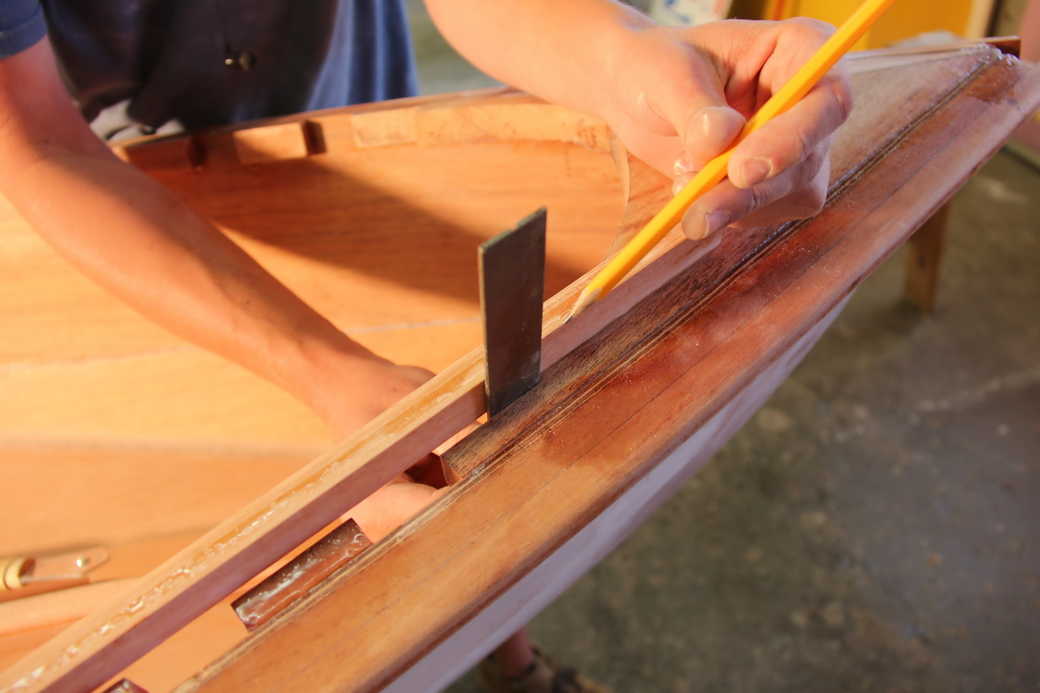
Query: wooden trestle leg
[924,258]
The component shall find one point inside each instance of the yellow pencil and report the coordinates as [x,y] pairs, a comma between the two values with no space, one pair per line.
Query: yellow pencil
[715,172]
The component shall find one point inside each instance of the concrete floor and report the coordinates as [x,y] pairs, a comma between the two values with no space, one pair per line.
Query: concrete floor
[875,527]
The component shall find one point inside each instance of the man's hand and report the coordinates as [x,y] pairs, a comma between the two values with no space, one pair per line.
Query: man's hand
[348,392]
[681,95]
[674,95]
[349,395]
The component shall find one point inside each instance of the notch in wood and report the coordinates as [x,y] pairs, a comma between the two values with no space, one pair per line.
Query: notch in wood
[512,280]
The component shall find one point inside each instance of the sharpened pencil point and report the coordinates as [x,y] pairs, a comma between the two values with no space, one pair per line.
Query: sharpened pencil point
[587,297]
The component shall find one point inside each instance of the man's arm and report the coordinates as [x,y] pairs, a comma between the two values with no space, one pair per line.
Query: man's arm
[133,237]
[676,96]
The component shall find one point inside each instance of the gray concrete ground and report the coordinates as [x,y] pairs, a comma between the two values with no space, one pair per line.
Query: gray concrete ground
[875,527]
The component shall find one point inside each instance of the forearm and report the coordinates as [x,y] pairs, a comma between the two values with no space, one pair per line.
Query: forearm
[132,236]
[135,238]
[563,52]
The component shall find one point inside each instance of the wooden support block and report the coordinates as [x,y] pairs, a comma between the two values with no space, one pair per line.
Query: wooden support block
[298,577]
[1009,45]
[924,258]
[278,142]
[166,154]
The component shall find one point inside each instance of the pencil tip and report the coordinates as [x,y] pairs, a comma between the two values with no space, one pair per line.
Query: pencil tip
[585,299]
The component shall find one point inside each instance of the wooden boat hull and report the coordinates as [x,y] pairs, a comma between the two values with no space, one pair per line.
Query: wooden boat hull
[634,399]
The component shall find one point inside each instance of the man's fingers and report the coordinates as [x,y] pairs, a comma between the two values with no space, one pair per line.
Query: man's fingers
[801,204]
[708,132]
[789,138]
[803,188]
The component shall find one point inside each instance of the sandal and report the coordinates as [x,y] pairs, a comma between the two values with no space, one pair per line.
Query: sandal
[542,676]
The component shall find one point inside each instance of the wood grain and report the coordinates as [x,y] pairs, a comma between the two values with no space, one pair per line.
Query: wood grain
[72,496]
[56,608]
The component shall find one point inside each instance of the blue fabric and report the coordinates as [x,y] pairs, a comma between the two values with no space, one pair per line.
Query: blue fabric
[21,25]
[211,62]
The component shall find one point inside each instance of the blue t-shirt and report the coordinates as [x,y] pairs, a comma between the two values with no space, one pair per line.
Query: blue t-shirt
[211,62]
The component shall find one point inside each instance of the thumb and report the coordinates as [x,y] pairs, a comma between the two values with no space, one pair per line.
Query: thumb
[708,132]
[696,106]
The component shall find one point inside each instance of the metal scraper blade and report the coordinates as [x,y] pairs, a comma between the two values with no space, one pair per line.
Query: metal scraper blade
[512,277]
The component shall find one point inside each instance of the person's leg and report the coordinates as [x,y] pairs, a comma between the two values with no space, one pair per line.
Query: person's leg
[515,655]
[396,503]
[515,665]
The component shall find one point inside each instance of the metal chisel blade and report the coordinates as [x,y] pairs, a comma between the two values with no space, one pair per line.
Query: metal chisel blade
[512,276]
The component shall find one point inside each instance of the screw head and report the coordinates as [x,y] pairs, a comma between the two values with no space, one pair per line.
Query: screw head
[243,60]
